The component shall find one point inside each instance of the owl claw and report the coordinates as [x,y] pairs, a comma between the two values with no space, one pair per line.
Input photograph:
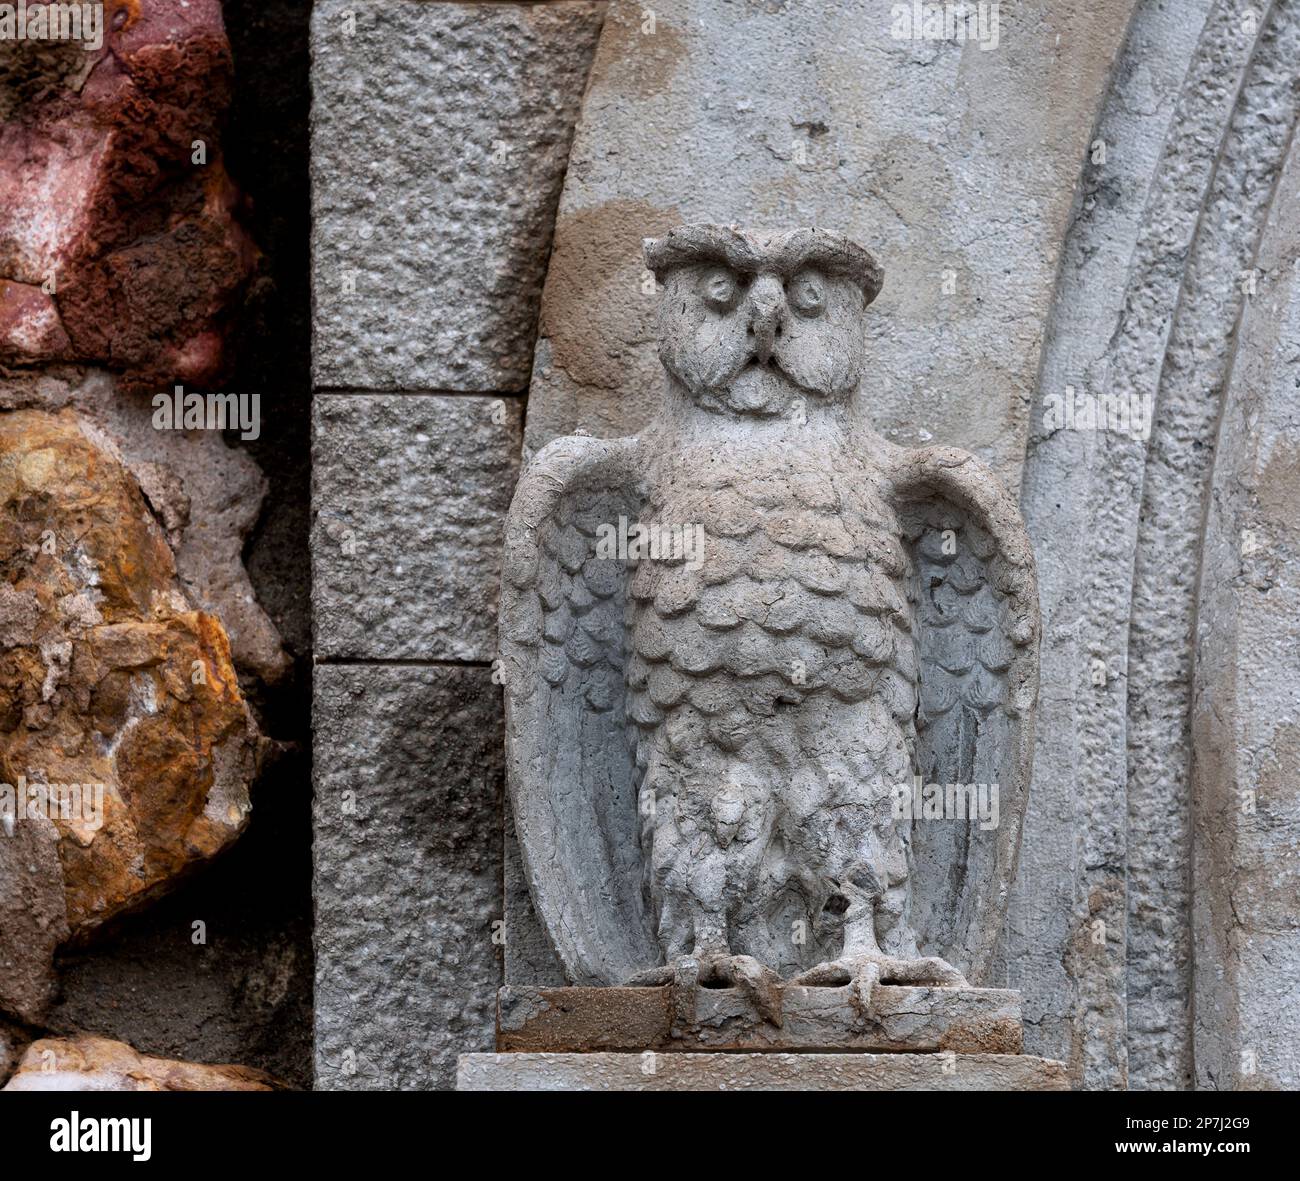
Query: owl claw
[761,985]
[865,972]
[655,977]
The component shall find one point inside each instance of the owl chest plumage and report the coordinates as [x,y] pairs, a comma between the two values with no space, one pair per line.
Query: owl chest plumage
[794,587]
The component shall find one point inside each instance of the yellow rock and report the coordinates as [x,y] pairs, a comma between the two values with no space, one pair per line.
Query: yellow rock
[87,1063]
[119,690]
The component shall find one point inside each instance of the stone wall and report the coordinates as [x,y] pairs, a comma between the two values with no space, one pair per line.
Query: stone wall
[1160,268]
[1096,207]
[413,228]
[151,194]
[440,134]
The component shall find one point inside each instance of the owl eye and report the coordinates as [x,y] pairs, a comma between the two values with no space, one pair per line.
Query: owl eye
[719,289]
[807,294]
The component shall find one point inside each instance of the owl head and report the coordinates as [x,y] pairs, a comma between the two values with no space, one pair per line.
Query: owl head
[752,321]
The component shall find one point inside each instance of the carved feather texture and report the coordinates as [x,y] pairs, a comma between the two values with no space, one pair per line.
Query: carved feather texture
[977,638]
[906,593]
[800,589]
[572,780]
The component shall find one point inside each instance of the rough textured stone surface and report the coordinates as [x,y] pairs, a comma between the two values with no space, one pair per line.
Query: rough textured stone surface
[13,1041]
[116,246]
[806,113]
[947,159]
[206,495]
[705,745]
[33,916]
[759,1072]
[109,680]
[582,1020]
[98,1064]
[1199,357]
[432,227]
[408,766]
[1246,718]
[1150,291]
[243,994]
[408,505]
[530,957]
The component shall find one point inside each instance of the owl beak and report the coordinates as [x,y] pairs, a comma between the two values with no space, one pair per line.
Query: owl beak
[767,310]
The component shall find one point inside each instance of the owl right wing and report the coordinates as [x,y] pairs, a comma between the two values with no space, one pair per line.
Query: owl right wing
[978,636]
[571,774]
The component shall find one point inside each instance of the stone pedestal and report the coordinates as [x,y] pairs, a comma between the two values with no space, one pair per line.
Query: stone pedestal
[705,1039]
[651,1071]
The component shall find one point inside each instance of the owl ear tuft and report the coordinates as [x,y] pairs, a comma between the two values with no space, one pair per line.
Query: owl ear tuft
[700,242]
[749,252]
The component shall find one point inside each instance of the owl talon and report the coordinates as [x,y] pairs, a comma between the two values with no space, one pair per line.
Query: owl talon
[761,985]
[651,977]
[865,972]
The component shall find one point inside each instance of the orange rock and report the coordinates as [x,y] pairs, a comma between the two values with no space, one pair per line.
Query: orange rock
[109,681]
[87,1063]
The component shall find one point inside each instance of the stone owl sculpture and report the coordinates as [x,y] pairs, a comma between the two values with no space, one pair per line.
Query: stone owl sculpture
[707,745]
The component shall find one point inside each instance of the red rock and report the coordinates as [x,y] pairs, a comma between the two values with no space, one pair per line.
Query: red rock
[29,324]
[100,192]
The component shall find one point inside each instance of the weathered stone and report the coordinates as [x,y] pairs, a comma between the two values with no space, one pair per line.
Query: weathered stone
[967,166]
[206,495]
[707,734]
[122,725]
[408,768]
[33,915]
[584,1020]
[97,1064]
[13,1041]
[759,1072]
[1199,357]
[409,499]
[806,113]
[118,233]
[29,324]
[125,251]
[530,958]
[29,69]
[1246,708]
[432,228]
[220,971]
[1151,289]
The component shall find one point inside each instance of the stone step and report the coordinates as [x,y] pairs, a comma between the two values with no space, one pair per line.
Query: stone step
[650,1071]
[900,1019]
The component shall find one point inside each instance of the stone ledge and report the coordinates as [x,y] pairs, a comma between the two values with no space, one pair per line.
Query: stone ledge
[650,1071]
[584,1020]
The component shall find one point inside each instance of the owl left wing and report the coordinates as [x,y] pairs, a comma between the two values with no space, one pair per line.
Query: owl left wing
[977,639]
[571,774]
